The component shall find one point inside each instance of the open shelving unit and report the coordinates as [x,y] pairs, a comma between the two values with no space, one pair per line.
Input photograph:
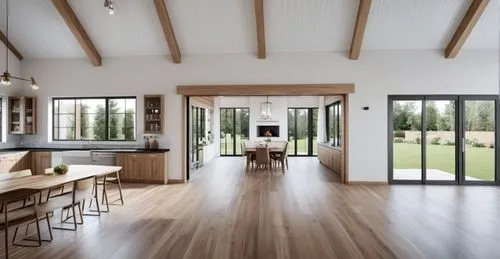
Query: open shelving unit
[153,114]
[22,115]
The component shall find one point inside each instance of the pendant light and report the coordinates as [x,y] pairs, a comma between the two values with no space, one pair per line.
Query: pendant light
[6,78]
[109,5]
[265,109]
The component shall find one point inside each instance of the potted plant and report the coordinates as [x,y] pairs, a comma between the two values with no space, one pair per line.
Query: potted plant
[268,136]
[61,169]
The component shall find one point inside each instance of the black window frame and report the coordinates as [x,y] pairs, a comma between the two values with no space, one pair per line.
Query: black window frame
[233,109]
[107,99]
[337,120]
[460,165]
[310,130]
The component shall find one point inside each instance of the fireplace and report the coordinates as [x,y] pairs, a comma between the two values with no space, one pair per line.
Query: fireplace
[273,129]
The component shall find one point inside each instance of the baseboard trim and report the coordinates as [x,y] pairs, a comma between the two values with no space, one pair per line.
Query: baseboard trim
[175,181]
[367,183]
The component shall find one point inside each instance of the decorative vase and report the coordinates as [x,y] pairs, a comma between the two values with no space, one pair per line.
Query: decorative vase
[154,144]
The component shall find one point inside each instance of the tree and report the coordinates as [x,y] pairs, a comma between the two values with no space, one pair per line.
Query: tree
[100,123]
[128,128]
[84,122]
[432,116]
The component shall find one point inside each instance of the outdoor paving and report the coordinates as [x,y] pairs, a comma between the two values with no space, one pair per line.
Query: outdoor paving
[432,174]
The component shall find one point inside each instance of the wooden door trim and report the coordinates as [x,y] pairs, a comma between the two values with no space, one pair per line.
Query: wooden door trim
[266,90]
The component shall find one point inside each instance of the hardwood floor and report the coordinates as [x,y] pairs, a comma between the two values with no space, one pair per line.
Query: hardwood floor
[307,213]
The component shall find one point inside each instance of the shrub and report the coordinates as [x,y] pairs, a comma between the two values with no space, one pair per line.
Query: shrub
[417,140]
[436,141]
[491,145]
[449,143]
[399,134]
[477,144]
[399,140]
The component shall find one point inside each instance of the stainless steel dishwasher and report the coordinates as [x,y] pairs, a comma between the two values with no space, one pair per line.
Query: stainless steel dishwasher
[103,158]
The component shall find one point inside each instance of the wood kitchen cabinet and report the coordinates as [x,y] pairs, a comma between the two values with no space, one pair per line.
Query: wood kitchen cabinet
[40,161]
[143,167]
[14,162]
[331,157]
[22,115]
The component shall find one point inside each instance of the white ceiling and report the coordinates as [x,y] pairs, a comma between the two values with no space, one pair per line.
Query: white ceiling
[228,26]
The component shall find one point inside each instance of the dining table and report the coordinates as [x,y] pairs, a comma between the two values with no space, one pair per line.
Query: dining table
[273,151]
[37,183]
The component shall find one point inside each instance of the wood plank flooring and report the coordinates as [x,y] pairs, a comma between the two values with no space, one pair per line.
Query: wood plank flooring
[306,213]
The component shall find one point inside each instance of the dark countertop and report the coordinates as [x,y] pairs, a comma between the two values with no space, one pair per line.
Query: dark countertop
[330,146]
[106,150]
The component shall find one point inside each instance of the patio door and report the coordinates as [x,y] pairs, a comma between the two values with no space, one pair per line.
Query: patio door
[234,128]
[443,139]
[302,131]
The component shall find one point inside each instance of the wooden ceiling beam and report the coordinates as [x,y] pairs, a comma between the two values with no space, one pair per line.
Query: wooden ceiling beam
[261,35]
[168,30]
[266,90]
[11,47]
[78,31]
[359,28]
[468,23]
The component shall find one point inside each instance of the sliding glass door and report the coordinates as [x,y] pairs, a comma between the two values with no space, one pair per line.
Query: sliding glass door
[234,127]
[302,131]
[443,139]
[478,135]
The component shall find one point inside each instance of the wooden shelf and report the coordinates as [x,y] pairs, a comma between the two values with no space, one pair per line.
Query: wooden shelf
[153,114]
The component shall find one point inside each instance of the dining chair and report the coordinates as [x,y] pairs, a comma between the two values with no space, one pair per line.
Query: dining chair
[282,159]
[250,158]
[262,158]
[18,216]
[82,190]
[111,178]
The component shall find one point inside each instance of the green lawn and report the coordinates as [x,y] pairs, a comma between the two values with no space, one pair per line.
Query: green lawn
[479,161]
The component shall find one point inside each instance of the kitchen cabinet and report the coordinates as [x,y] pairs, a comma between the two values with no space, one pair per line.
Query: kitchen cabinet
[15,161]
[22,115]
[331,157]
[143,167]
[40,161]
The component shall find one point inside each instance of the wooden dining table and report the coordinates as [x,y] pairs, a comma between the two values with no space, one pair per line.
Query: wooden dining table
[44,182]
[273,150]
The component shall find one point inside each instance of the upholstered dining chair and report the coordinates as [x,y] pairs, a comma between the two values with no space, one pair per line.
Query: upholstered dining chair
[282,159]
[262,158]
[250,157]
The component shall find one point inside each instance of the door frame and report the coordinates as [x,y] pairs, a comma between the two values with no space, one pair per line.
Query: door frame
[459,138]
[327,89]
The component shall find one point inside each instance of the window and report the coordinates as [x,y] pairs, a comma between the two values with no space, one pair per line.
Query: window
[302,131]
[234,128]
[100,119]
[334,124]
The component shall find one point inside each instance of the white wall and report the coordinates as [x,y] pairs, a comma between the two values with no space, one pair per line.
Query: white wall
[376,75]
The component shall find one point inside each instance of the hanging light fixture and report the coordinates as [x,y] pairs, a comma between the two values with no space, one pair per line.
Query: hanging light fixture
[109,5]
[6,77]
[265,109]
